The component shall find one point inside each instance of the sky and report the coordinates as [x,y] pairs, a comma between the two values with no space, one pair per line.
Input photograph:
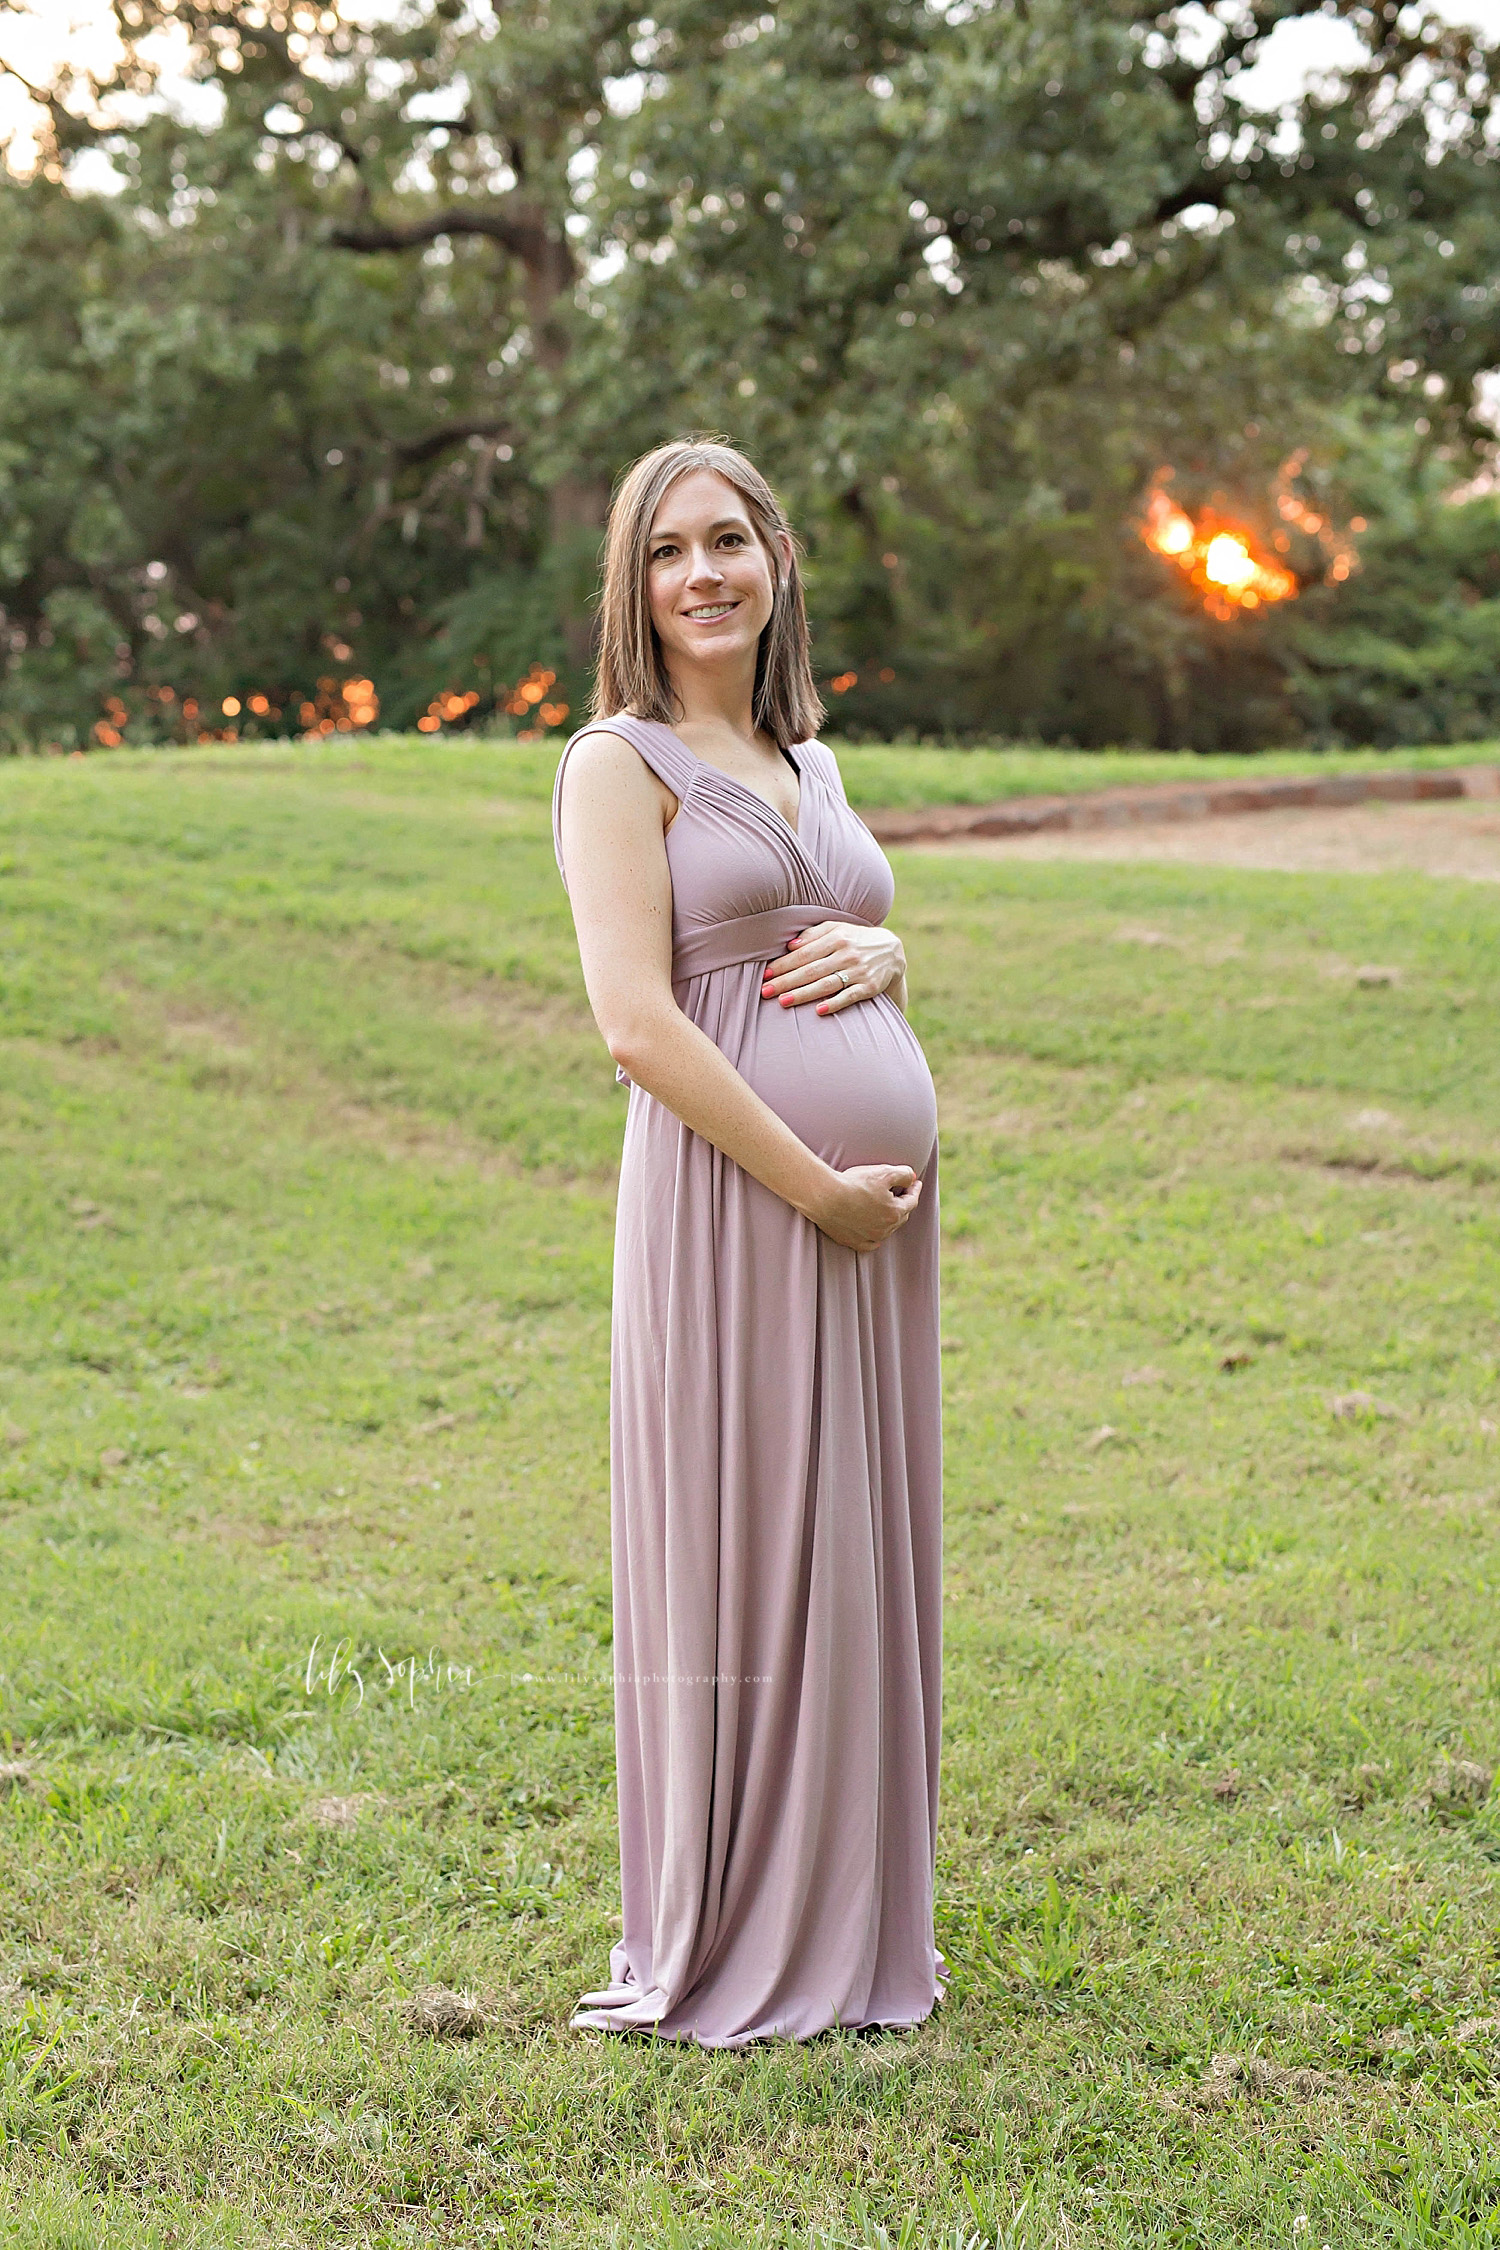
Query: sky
[1303,46]
[35,36]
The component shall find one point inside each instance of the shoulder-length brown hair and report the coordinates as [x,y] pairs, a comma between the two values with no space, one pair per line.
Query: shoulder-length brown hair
[632,675]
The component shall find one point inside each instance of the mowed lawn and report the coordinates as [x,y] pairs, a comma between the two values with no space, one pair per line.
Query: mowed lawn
[306,1163]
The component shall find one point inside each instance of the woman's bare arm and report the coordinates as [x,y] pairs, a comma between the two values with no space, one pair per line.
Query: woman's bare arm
[613,821]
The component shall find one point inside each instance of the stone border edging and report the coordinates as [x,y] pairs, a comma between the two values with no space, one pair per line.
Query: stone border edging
[1174,801]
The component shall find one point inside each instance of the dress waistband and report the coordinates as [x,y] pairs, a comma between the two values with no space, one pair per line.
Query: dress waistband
[751,937]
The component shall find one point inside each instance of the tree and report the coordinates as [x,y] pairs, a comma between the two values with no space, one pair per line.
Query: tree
[378,224]
[964,277]
[213,484]
[972,276]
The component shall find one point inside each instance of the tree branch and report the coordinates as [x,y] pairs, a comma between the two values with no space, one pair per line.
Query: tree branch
[525,238]
[69,132]
[311,132]
[1201,190]
[417,450]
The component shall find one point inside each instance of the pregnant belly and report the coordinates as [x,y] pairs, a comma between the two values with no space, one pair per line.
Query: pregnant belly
[854,1086]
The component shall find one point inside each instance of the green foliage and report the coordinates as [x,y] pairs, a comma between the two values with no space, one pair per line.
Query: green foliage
[969,437]
[174,518]
[349,366]
[1410,650]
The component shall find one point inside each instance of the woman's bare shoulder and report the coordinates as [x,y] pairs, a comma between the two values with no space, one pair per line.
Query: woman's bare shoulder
[604,763]
[601,749]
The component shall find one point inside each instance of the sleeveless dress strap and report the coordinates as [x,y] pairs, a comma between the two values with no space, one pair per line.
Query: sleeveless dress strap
[669,759]
[819,755]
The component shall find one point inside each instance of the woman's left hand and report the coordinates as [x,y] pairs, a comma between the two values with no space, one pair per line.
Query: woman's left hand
[834,964]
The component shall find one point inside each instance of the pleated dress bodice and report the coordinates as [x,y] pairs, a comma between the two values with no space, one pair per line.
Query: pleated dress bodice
[853,1085]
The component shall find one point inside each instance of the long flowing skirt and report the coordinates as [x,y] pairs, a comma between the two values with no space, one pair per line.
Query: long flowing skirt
[776,1533]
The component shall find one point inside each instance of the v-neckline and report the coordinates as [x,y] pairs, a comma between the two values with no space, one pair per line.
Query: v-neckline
[794,830]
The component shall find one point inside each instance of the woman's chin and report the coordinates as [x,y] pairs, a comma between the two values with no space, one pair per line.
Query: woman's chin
[717,647]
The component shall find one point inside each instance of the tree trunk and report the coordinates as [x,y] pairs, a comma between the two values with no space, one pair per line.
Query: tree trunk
[576,505]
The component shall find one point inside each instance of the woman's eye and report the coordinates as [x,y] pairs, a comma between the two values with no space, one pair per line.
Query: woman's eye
[660,554]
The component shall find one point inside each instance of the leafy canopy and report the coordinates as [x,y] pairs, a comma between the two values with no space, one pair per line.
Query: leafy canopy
[335,384]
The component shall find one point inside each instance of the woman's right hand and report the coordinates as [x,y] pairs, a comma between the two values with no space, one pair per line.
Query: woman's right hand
[867,1203]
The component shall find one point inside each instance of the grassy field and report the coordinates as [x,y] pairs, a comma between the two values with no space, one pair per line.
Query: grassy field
[306,1151]
[895,774]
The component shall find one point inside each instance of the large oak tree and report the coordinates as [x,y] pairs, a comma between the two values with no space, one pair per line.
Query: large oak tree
[351,358]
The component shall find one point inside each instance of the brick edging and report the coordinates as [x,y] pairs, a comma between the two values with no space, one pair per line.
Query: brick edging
[1164,801]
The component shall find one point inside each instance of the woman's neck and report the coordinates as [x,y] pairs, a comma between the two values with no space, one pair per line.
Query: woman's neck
[716,709]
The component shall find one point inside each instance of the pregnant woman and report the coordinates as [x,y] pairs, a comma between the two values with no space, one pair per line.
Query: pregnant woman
[774,1418]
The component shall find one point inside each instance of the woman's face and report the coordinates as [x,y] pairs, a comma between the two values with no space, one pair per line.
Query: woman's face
[708,576]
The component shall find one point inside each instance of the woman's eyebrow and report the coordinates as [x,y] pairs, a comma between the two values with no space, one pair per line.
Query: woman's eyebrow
[725,523]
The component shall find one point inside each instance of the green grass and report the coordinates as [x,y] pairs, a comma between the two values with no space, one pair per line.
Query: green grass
[901,775]
[897,775]
[306,1152]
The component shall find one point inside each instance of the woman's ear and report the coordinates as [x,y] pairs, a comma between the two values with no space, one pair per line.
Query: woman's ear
[788,554]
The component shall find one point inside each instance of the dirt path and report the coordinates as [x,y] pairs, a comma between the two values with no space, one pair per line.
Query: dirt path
[1459,838]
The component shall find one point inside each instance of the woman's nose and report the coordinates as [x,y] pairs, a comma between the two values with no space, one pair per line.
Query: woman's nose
[705,568]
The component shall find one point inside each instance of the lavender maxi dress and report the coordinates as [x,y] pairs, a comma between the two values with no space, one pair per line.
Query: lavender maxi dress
[776,1476]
